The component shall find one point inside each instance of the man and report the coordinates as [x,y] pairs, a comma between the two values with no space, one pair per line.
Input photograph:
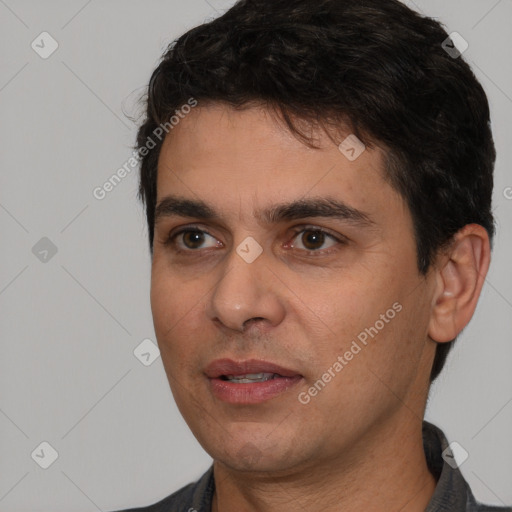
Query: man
[317,178]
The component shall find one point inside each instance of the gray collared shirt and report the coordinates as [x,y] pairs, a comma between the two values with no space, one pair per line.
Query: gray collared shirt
[452,493]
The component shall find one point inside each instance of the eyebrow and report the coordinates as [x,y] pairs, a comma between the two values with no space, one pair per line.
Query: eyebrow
[175,206]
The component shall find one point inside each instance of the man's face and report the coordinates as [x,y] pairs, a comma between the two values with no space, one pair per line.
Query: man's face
[325,289]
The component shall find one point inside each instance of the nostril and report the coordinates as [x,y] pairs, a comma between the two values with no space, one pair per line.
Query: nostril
[248,322]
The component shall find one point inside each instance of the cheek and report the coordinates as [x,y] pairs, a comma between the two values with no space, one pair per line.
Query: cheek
[163,303]
[173,304]
[347,306]
[364,317]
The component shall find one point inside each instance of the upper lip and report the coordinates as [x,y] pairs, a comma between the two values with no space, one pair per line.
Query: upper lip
[221,367]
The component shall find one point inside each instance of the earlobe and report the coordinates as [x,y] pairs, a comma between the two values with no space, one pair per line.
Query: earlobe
[460,278]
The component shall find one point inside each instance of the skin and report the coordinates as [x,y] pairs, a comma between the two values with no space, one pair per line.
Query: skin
[357,444]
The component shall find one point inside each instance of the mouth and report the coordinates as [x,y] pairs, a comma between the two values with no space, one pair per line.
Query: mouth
[249,382]
[250,378]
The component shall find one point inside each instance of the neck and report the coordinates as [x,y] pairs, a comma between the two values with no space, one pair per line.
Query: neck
[387,470]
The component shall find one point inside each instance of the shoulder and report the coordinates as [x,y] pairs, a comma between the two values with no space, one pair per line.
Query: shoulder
[479,507]
[452,492]
[475,506]
[194,497]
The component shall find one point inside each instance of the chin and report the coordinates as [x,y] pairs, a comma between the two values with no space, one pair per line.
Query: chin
[253,454]
[252,460]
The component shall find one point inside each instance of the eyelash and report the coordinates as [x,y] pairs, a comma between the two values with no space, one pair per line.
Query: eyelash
[171,240]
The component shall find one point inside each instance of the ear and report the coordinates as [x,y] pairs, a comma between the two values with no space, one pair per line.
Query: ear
[460,275]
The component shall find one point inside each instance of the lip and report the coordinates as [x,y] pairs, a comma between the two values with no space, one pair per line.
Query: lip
[221,367]
[249,393]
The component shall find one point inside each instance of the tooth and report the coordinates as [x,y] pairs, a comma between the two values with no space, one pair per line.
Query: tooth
[250,377]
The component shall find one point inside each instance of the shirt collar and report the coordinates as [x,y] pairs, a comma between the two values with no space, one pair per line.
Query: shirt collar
[452,493]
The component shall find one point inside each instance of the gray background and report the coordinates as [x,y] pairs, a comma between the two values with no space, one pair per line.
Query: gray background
[70,323]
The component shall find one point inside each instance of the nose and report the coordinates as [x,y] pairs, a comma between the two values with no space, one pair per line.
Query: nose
[245,294]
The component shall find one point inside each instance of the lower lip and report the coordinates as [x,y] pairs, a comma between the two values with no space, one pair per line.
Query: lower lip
[252,393]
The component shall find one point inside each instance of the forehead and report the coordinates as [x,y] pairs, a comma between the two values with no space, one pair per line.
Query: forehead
[246,160]
[220,135]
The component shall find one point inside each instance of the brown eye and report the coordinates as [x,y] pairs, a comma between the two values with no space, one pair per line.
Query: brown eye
[312,240]
[193,239]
